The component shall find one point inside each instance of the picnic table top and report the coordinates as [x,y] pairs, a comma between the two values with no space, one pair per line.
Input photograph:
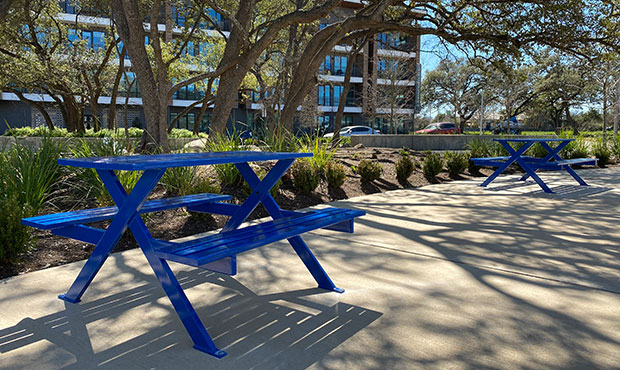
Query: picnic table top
[160,161]
[535,139]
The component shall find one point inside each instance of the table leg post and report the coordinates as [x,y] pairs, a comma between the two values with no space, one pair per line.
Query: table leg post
[128,209]
[575,176]
[313,265]
[172,288]
[196,330]
[298,244]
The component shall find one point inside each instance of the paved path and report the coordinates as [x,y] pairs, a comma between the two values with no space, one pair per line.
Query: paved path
[446,276]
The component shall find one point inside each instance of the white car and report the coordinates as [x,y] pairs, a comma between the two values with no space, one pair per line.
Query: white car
[355,130]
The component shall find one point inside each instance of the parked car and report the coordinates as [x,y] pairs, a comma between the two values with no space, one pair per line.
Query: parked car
[355,130]
[503,127]
[440,128]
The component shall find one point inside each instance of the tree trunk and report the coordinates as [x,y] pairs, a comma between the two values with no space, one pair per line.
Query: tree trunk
[230,80]
[571,122]
[605,108]
[113,96]
[346,85]
[128,18]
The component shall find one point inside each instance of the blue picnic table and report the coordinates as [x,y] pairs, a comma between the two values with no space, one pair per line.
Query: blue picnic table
[551,162]
[216,252]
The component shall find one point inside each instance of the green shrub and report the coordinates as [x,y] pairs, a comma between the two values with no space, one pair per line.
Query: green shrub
[15,238]
[478,148]
[404,168]
[537,151]
[278,140]
[456,163]
[29,174]
[369,171]
[335,174]
[177,133]
[87,178]
[577,148]
[187,180]
[602,152]
[432,164]
[319,147]
[305,176]
[227,173]
[616,148]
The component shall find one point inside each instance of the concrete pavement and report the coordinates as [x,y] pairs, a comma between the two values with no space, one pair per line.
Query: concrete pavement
[445,276]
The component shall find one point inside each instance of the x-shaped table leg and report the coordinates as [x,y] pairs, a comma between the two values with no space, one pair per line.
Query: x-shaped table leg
[261,194]
[516,156]
[554,154]
[128,216]
[127,210]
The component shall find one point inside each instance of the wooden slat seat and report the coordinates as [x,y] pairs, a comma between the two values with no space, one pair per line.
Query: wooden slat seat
[64,219]
[214,247]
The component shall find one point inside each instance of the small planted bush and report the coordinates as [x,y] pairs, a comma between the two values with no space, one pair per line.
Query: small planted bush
[432,164]
[601,151]
[369,171]
[478,148]
[29,174]
[576,149]
[227,173]
[179,181]
[15,238]
[335,174]
[537,151]
[456,163]
[404,168]
[87,178]
[321,154]
[305,176]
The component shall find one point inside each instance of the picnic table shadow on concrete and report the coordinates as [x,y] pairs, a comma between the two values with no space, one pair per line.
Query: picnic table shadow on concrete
[265,331]
[444,276]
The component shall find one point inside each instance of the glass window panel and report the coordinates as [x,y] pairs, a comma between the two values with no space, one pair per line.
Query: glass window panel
[191,119]
[98,40]
[337,93]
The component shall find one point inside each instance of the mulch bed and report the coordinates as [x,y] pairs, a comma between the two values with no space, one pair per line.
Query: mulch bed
[51,250]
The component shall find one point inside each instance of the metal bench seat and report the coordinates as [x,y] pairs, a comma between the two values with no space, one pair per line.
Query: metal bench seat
[214,247]
[64,219]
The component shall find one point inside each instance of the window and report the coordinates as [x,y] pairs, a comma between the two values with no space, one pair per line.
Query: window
[351,98]
[203,48]
[68,6]
[72,35]
[324,122]
[347,121]
[205,122]
[324,94]
[216,18]
[340,65]
[326,65]
[189,49]
[187,121]
[126,81]
[337,94]
[178,17]
[98,40]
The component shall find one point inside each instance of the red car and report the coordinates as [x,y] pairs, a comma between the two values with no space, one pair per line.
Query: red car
[440,128]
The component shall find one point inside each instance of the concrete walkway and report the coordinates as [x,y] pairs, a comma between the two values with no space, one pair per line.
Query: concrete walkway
[446,276]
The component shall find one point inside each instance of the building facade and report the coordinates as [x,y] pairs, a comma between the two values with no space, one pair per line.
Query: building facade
[383,90]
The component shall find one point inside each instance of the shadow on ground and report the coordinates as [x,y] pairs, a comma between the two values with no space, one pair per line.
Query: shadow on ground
[258,332]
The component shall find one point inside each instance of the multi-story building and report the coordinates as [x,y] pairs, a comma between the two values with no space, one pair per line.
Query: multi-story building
[382,85]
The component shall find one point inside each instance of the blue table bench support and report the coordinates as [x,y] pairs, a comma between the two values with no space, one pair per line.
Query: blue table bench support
[551,162]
